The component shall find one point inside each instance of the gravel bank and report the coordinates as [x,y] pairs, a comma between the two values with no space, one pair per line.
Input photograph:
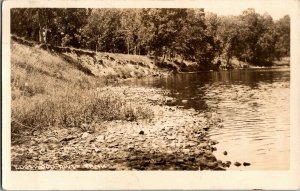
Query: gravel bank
[174,139]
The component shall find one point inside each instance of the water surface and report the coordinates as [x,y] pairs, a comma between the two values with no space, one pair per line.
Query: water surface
[253,106]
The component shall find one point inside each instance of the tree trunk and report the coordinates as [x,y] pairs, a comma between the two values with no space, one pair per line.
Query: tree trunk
[40,27]
[45,35]
[128,47]
[96,45]
[164,58]
[228,59]
[139,49]
[40,35]
[134,50]
[155,57]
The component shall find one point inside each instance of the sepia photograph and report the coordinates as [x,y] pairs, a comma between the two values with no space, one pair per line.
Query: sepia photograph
[174,89]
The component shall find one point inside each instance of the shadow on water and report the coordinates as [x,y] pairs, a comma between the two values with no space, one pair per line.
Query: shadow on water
[194,86]
[254,107]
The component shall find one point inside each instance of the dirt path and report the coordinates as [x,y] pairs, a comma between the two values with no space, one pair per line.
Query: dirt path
[175,139]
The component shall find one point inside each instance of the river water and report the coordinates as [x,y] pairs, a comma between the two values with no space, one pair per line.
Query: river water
[253,106]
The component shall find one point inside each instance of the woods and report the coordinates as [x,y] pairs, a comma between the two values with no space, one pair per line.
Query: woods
[164,34]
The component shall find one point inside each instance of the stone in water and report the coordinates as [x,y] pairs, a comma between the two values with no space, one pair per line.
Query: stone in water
[246,164]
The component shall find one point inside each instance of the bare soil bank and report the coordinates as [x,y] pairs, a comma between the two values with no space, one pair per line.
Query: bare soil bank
[112,66]
[174,139]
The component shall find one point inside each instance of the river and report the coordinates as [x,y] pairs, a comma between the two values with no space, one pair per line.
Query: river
[253,105]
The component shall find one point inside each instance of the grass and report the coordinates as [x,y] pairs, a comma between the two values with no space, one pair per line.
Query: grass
[48,91]
[74,109]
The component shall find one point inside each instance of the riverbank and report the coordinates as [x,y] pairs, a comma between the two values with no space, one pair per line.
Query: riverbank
[173,139]
[64,117]
[237,64]
[109,66]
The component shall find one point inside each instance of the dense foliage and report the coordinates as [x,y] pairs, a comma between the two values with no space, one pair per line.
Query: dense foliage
[165,34]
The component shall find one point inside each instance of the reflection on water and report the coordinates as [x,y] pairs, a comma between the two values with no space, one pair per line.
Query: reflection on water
[254,106]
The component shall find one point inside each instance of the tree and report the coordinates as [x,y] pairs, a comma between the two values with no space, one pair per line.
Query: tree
[228,33]
[163,26]
[199,43]
[102,31]
[265,47]
[130,26]
[70,23]
[31,22]
[48,25]
[213,23]
[282,27]
[188,34]
[197,40]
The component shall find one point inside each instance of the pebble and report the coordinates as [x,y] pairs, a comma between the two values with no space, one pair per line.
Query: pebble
[130,148]
[172,109]
[214,142]
[184,101]
[191,144]
[33,142]
[227,164]
[85,135]
[145,163]
[192,159]
[212,164]
[100,138]
[237,164]
[168,99]
[171,137]
[209,156]
[67,138]
[141,132]
[203,145]
[246,164]
[90,139]
[225,153]
[161,161]
[179,161]
[186,151]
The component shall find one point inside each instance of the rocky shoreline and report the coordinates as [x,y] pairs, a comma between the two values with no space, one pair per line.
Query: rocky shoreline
[174,139]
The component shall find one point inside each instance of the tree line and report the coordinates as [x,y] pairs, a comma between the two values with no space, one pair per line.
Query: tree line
[165,34]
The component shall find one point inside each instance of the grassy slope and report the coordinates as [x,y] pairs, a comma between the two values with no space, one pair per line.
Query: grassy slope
[49,91]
